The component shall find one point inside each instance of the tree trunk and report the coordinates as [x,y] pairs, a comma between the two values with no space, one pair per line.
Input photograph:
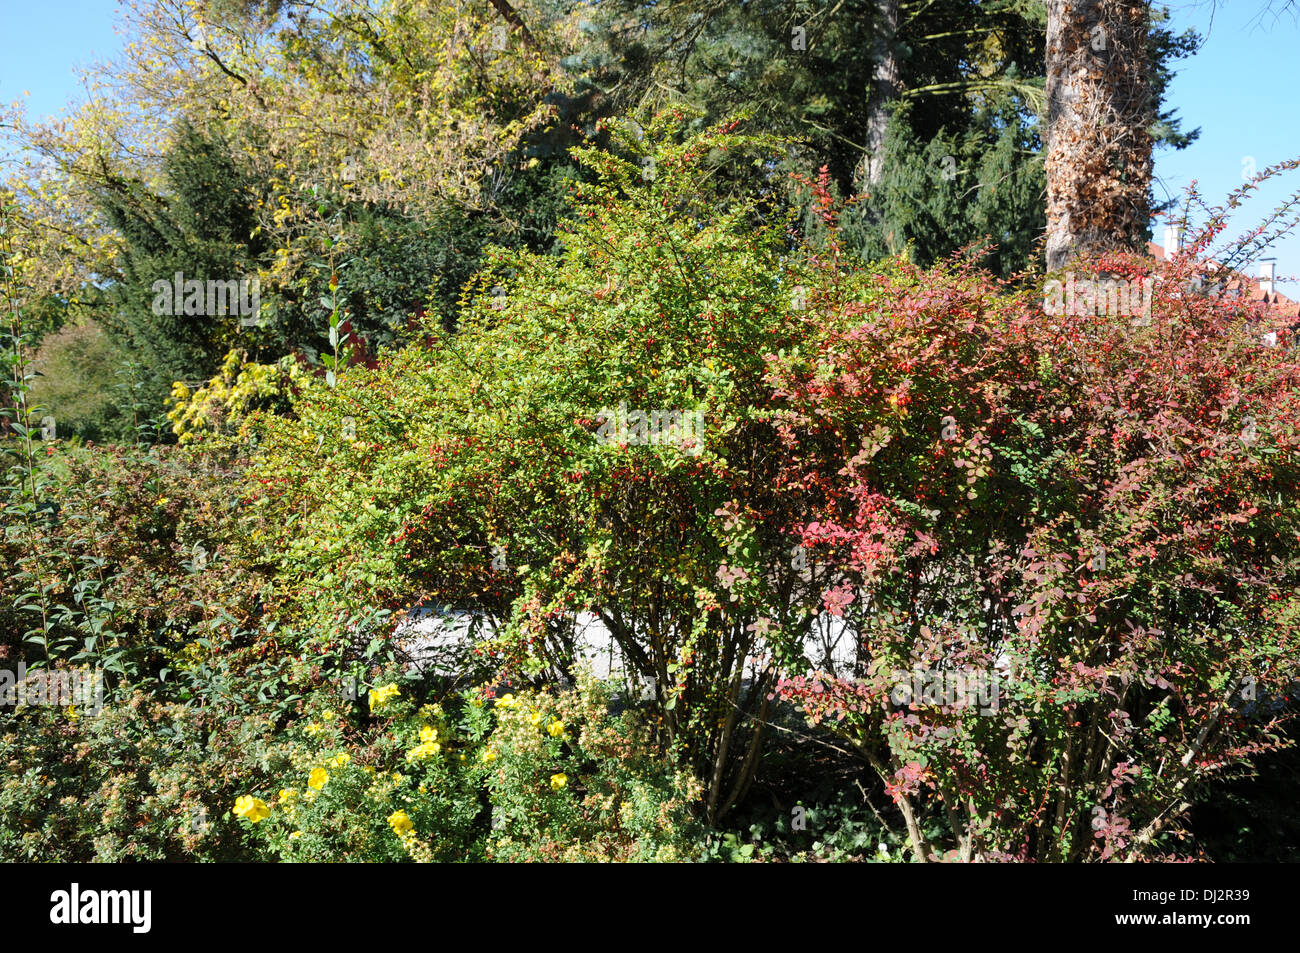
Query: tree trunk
[1098,128]
[884,90]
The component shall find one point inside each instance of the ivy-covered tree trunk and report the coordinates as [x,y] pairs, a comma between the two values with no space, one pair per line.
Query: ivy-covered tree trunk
[1099,115]
[884,90]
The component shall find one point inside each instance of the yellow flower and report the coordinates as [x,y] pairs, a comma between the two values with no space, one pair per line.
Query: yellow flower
[340,760]
[327,715]
[287,795]
[558,781]
[489,755]
[317,779]
[426,750]
[555,728]
[506,701]
[535,718]
[428,734]
[162,501]
[381,695]
[295,835]
[251,808]
[369,769]
[400,822]
[314,728]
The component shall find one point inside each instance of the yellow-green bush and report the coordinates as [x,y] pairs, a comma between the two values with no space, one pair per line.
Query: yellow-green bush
[223,403]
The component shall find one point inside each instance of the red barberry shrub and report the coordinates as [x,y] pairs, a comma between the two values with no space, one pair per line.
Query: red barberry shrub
[1072,542]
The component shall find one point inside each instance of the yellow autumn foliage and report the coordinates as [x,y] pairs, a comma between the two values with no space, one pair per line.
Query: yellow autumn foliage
[225,401]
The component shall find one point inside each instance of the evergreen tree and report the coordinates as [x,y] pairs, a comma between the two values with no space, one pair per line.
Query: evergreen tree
[963,156]
[201,226]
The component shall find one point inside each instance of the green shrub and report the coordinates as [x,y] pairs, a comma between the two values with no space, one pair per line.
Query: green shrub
[569,781]
[142,780]
[527,777]
[473,472]
[81,383]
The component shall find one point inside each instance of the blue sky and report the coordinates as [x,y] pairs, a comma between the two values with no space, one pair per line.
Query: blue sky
[43,41]
[1241,89]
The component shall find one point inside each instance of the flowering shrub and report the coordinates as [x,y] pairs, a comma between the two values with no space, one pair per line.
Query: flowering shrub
[525,776]
[409,791]
[569,781]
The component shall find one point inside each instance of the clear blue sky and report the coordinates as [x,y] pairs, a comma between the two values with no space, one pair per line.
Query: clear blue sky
[1242,89]
[43,41]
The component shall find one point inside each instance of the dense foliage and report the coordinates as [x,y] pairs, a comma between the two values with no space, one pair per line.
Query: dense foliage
[898,560]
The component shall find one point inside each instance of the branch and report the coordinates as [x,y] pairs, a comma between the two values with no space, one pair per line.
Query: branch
[511,16]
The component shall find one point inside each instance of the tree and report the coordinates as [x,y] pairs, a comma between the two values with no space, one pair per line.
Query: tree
[959,80]
[1100,110]
[376,142]
[202,226]
[884,89]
